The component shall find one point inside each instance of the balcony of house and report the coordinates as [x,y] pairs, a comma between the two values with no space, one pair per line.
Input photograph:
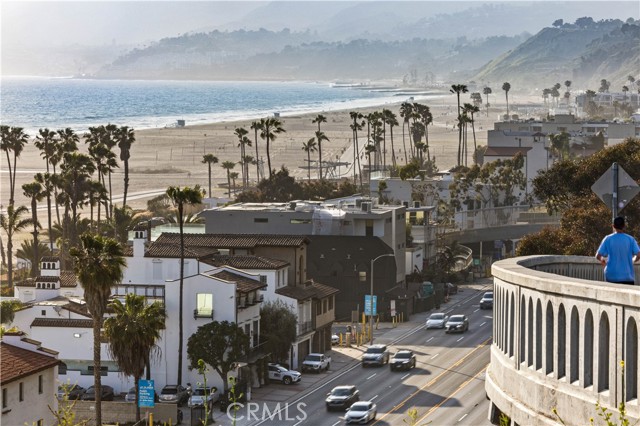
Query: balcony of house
[560,334]
[305,327]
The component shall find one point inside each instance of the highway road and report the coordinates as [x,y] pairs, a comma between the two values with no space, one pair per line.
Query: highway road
[446,387]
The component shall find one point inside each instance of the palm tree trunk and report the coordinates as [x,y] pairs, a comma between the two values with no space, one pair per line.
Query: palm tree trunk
[229,183]
[126,182]
[475,147]
[210,195]
[137,385]
[49,219]
[10,179]
[459,134]
[257,158]
[309,164]
[109,213]
[97,376]
[268,155]
[404,146]
[55,196]
[34,215]
[10,260]
[393,151]
[180,336]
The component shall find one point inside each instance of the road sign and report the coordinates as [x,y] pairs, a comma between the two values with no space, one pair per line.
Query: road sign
[146,393]
[367,305]
[624,191]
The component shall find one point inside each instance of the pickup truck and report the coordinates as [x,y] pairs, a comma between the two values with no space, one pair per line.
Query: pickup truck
[316,363]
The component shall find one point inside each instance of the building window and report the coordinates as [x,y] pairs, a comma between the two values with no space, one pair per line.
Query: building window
[204,305]
[40,384]
[157,269]
[260,220]
[330,302]
[324,306]
[21,392]
[300,221]
[5,402]
[369,228]
[40,422]
[263,279]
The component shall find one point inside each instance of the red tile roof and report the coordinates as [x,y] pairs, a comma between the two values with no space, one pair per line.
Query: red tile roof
[244,261]
[16,363]
[243,284]
[311,290]
[62,322]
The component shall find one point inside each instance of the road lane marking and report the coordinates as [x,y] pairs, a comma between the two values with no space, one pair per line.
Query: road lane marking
[429,339]
[433,357]
[371,376]
[460,339]
[462,418]
[405,376]
[464,384]
[483,324]
[476,310]
[336,423]
[435,379]
[373,398]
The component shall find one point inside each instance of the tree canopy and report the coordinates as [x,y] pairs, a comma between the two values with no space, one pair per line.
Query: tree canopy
[278,324]
[566,189]
[219,344]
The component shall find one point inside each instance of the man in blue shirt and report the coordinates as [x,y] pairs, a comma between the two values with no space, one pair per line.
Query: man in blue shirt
[620,251]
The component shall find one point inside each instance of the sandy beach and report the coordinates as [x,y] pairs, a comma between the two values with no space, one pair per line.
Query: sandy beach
[172,156]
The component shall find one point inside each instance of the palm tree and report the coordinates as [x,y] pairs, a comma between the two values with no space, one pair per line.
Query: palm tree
[309,147]
[506,87]
[96,194]
[228,166]
[99,264]
[241,133]
[391,120]
[357,124]
[405,113]
[567,94]
[487,91]
[209,159]
[255,126]
[46,180]
[269,129]
[76,170]
[181,198]
[34,191]
[320,119]
[246,161]
[320,136]
[12,142]
[234,176]
[67,143]
[369,149]
[46,143]
[132,332]
[125,138]
[12,222]
[27,251]
[470,109]
[457,89]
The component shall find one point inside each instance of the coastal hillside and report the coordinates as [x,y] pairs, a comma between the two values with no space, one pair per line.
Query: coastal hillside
[584,52]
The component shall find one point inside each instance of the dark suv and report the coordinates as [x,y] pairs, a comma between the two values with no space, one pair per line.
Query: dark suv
[341,397]
[375,355]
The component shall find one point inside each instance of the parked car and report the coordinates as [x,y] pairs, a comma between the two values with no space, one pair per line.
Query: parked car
[403,360]
[341,397]
[487,300]
[457,323]
[335,339]
[361,412]
[72,391]
[174,393]
[281,374]
[437,320]
[375,355]
[131,395]
[316,362]
[107,393]
[197,397]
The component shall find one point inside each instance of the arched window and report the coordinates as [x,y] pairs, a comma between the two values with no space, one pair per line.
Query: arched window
[548,343]
[523,325]
[603,353]
[538,335]
[530,333]
[562,342]
[574,345]
[631,361]
[588,349]
[512,307]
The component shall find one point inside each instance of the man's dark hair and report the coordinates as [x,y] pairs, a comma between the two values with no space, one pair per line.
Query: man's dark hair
[618,222]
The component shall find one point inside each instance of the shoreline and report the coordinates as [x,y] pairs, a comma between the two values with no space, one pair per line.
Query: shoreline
[177,151]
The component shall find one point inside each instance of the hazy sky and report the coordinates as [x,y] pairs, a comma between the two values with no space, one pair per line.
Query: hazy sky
[42,23]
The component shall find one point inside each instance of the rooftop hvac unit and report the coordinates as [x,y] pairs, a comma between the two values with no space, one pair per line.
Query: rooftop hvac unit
[358,202]
[366,207]
[416,204]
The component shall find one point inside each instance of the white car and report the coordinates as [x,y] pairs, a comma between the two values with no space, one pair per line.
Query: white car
[281,374]
[437,320]
[197,397]
[361,412]
[335,339]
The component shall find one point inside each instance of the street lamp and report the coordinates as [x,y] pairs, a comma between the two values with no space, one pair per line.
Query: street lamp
[371,296]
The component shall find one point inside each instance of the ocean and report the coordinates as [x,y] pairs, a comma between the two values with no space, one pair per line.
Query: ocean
[55,103]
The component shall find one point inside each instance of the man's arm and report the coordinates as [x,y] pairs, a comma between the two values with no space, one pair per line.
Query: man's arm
[602,260]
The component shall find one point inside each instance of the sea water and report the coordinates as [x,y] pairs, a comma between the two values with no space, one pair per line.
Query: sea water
[55,103]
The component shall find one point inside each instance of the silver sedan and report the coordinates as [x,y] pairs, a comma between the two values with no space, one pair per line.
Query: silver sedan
[437,320]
